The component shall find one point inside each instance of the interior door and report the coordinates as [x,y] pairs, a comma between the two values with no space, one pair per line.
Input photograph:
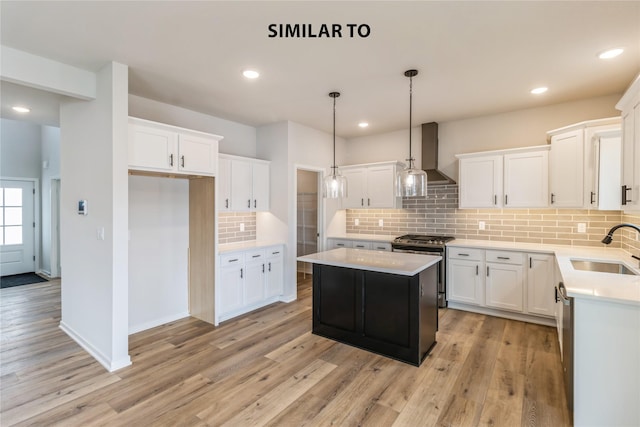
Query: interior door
[17,225]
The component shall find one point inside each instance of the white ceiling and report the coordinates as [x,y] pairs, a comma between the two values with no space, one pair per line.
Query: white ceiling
[474,58]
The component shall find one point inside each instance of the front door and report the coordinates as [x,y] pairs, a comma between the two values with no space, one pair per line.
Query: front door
[17,236]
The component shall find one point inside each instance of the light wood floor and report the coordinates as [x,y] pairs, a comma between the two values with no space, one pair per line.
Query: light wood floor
[266,368]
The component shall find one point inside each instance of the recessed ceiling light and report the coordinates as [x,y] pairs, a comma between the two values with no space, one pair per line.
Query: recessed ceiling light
[251,74]
[611,53]
[539,90]
[20,109]
[363,124]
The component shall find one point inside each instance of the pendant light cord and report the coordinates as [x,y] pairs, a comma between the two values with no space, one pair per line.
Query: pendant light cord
[410,111]
[334,135]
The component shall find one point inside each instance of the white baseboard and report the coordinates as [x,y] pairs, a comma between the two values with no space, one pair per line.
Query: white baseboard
[157,322]
[288,298]
[547,321]
[109,365]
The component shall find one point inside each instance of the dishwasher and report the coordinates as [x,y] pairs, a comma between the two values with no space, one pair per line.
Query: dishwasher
[567,342]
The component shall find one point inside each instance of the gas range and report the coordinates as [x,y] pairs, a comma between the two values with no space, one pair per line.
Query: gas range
[422,240]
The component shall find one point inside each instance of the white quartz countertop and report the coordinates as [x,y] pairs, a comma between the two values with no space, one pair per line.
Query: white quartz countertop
[380,261]
[250,244]
[619,288]
[366,237]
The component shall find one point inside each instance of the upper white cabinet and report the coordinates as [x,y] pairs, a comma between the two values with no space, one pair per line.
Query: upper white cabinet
[243,184]
[371,186]
[156,147]
[584,165]
[513,178]
[629,104]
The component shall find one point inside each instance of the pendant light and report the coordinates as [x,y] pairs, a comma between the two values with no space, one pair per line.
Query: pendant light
[411,182]
[334,186]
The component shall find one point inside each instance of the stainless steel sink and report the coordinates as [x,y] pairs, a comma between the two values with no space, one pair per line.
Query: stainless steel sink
[602,267]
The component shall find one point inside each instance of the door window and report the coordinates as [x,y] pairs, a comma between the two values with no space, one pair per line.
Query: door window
[11,216]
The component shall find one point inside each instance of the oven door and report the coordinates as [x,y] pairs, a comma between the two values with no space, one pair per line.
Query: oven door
[442,296]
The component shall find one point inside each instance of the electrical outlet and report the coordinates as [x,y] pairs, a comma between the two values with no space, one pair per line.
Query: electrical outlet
[357,221]
[242,226]
[582,227]
[481,225]
[380,223]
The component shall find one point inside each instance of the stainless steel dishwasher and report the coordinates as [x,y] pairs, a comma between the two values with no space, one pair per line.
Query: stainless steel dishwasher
[567,342]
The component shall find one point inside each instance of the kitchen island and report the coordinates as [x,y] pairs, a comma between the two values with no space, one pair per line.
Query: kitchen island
[383,302]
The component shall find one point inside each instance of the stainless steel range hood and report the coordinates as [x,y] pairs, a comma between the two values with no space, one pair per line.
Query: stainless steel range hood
[430,155]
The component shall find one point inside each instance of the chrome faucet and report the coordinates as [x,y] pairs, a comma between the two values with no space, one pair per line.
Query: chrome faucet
[609,237]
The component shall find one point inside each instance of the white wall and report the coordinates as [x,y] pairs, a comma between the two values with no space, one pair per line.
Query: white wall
[49,153]
[20,149]
[158,248]
[94,167]
[239,139]
[506,130]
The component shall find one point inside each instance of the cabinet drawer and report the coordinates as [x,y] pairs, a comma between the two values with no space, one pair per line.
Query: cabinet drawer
[338,243]
[465,253]
[275,252]
[256,255]
[231,260]
[360,244]
[379,246]
[505,257]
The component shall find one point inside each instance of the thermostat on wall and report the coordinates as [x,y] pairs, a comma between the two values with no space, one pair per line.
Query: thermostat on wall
[82,207]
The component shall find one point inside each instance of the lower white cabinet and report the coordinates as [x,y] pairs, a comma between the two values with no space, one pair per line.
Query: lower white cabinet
[249,279]
[505,283]
[465,278]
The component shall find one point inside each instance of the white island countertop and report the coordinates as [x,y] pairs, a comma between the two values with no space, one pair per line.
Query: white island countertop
[382,262]
[618,288]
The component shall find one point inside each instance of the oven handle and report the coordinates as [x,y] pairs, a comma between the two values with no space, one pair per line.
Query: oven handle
[421,252]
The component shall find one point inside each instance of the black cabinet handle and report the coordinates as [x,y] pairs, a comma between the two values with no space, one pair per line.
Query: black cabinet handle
[263,268]
[249,203]
[477,269]
[503,257]
[255,203]
[593,195]
[556,295]
[530,262]
[368,202]
[182,161]
[495,199]
[625,200]
[553,198]
[170,159]
[487,271]
[275,253]
[269,266]
[255,256]
[506,199]
[463,254]
[233,260]
[361,202]
[241,271]
[226,203]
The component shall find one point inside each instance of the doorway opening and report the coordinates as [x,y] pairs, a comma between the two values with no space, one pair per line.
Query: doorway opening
[308,216]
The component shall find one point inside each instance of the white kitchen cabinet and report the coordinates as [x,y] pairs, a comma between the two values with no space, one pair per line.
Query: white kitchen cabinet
[243,184]
[465,276]
[274,284]
[514,178]
[249,279]
[584,165]
[156,147]
[566,169]
[371,186]
[541,284]
[504,283]
[629,105]
[482,178]
[526,179]
[223,181]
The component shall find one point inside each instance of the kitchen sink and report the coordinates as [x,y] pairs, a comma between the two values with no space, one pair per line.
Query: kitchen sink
[600,266]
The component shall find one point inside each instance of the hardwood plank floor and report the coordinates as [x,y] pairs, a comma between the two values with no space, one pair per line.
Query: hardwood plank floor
[266,368]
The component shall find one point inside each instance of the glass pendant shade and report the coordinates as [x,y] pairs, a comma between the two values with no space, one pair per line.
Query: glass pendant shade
[334,186]
[411,182]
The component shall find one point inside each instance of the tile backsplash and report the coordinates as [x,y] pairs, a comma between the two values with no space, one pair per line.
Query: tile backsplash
[438,213]
[229,227]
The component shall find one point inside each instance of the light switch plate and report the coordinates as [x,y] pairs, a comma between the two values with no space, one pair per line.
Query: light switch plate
[357,221]
[582,227]
[481,225]
[242,226]
[380,223]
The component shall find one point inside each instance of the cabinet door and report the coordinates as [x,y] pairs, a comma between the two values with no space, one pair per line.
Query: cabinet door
[241,186]
[566,169]
[152,149]
[631,157]
[356,182]
[481,182]
[465,282]
[526,179]
[609,172]
[197,154]
[541,284]
[381,187]
[260,185]
[275,275]
[504,286]
[254,283]
[230,289]
[223,179]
